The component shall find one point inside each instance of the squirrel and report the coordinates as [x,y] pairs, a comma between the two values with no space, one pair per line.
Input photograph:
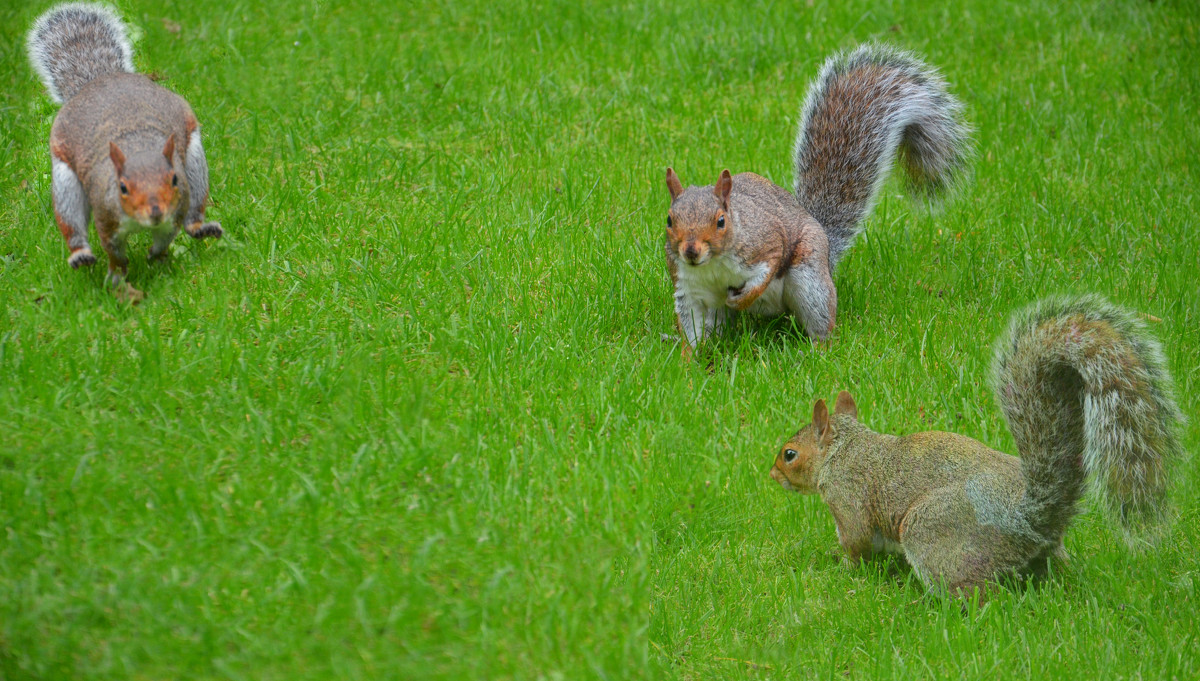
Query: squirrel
[746,243]
[122,147]
[1086,394]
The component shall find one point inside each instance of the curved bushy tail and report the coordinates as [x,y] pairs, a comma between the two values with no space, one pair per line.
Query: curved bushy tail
[1086,393]
[72,44]
[866,105]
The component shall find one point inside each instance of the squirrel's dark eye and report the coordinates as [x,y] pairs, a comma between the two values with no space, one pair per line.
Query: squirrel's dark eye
[174,180]
[789,455]
[124,189]
[721,222]
[668,222]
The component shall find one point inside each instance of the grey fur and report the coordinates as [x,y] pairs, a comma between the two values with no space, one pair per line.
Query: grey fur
[810,298]
[691,328]
[866,105]
[70,204]
[698,322]
[992,508]
[1086,393]
[196,171]
[75,43]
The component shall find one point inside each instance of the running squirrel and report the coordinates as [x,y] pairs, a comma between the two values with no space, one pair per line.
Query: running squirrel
[1086,394]
[746,243]
[121,148]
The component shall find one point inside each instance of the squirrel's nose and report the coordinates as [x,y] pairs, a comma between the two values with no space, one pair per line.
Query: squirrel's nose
[691,253]
[155,212]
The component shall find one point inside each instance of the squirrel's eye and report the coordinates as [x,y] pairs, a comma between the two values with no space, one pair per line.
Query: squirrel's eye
[174,180]
[668,222]
[124,189]
[789,455]
[721,222]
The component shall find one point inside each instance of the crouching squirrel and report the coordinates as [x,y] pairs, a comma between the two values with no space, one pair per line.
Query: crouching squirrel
[122,148]
[748,244]
[1086,394]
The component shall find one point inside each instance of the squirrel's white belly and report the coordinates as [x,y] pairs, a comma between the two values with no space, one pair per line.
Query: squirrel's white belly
[709,284]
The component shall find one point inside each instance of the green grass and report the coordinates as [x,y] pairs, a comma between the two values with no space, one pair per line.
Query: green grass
[412,417]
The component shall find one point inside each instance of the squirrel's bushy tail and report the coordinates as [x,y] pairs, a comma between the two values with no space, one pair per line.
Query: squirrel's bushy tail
[1086,393]
[864,106]
[74,43]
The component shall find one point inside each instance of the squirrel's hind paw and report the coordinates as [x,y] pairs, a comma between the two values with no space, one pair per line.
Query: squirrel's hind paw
[81,258]
[205,230]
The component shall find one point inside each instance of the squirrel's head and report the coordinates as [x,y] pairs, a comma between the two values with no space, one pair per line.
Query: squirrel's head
[697,222]
[799,462]
[147,184]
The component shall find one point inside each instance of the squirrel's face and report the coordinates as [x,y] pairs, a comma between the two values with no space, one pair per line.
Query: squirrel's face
[799,461]
[697,222]
[147,184]
[795,462]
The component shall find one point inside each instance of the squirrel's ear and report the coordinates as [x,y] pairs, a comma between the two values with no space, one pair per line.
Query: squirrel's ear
[820,419]
[118,159]
[845,405]
[673,184]
[724,185]
[169,149]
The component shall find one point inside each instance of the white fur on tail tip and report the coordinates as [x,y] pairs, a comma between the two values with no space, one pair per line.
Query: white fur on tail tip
[75,42]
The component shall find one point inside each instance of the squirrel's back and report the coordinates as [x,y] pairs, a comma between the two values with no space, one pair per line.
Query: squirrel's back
[128,109]
[75,43]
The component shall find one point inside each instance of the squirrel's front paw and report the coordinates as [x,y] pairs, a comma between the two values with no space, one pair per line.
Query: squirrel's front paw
[81,258]
[205,230]
[736,298]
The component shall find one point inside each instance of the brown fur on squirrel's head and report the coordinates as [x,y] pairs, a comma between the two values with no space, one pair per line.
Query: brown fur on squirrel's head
[799,462]
[697,222]
[147,184]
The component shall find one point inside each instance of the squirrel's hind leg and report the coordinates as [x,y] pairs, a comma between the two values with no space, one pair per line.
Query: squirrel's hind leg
[71,212]
[948,551]
[809,294]
[951,564]
[196,170]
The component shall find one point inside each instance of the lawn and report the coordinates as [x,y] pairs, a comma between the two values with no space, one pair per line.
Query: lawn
[413,416]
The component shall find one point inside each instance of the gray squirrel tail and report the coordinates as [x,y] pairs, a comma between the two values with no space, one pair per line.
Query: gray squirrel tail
[866,105]
[74,43]
[1086,394]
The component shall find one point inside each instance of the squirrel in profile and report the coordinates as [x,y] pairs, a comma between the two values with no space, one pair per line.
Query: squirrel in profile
[746,243]
[1086,394]
[122,148]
